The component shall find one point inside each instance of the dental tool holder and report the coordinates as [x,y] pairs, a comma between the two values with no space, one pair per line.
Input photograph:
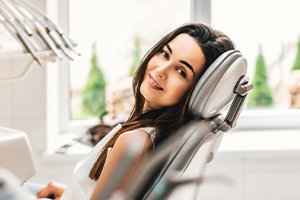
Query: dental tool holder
[24,28]
[16,155]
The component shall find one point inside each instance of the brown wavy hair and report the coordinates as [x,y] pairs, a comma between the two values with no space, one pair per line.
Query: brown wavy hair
[166,120]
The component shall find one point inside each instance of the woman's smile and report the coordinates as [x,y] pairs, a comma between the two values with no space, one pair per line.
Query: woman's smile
[153,83]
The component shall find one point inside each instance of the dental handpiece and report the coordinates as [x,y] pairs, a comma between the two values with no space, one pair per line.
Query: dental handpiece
[18,16]
[41,31]
[51,33]
[58,29]
[66,40]
[20,35]
[59,43]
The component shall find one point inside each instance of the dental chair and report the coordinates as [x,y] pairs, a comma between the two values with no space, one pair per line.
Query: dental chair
[175,169]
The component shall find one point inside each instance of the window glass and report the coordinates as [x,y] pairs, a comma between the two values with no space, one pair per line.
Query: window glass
[267,33]
[120,32]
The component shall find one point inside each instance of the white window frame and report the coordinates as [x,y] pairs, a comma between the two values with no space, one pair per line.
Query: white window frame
[251,119]
[58,109]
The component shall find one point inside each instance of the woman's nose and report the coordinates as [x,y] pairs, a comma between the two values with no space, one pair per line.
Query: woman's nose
[162,71]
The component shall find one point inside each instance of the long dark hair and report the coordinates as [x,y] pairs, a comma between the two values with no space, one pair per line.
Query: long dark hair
[166,120]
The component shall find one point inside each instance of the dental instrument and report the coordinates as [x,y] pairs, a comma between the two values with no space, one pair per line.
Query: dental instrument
[5,16]
[18,16]
[40,30]
[45,36]
[54,35]
[61,33]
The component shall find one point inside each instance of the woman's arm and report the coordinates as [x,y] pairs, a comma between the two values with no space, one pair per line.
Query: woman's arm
[120,146]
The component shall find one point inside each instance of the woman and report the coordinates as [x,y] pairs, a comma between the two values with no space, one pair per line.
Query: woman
[162,87]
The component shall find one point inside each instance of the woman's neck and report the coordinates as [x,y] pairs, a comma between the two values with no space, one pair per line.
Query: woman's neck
[149,106]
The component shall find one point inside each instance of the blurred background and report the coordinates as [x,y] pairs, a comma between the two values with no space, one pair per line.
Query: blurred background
[259,160]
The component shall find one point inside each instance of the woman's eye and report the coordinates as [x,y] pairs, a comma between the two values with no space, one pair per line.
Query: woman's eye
[182,73]
[165,54]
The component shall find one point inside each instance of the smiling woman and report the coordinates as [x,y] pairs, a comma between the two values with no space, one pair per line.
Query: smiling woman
[170,74]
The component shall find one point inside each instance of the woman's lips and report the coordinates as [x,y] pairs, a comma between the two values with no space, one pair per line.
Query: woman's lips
[153,83]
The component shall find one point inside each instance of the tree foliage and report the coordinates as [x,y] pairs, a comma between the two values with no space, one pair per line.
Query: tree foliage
[136,56]
[297,61]
[93,95]
[261,96]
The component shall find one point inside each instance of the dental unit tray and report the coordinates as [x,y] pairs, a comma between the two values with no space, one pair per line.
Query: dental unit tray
[24,28]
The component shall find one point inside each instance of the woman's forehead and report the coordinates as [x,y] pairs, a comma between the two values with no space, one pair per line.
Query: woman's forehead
[185,47]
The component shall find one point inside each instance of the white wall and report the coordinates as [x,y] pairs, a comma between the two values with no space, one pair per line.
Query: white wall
[23,107]
[240,177]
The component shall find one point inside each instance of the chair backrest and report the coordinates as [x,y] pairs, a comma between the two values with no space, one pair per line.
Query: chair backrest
[224,82]
[215,88]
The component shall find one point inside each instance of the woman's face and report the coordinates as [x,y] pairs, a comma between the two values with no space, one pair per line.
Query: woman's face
[171,72]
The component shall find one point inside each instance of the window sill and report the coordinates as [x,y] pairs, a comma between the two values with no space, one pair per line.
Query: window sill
[74,153]
[254,143]
[261,143]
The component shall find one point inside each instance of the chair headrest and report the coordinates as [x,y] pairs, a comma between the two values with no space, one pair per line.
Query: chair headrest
[214,90]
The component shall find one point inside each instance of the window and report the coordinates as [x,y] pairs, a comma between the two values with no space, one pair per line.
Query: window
[118,29]
[265,30]
[115,26]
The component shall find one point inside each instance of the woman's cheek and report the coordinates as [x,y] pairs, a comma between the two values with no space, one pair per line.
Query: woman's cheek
[179,92]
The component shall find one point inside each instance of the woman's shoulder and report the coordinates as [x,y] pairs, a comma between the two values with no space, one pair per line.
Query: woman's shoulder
[137,135]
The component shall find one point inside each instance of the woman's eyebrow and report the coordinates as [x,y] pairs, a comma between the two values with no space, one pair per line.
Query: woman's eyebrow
[167,45]
[183,62]
[188,65]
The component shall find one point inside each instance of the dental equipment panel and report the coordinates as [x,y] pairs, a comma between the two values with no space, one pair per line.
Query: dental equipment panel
[6,16]
[54,35]
[44,17]
[32,29]
[18,16]
[8,43]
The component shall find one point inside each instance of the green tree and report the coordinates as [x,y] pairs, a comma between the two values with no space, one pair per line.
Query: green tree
[93,95]
[261,96]
[136,56]
[297,61]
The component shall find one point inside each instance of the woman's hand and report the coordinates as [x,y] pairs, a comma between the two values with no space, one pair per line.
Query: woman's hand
[53,189]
